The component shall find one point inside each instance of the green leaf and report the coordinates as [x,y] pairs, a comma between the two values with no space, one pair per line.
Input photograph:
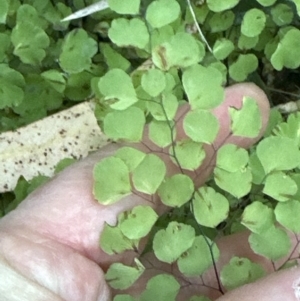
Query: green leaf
[153,82]
[191,264]
[246,121]
[120,276]
[5,44]
[210,207]
[189,154]
[137,222]
[126,33]
[278,153]
[160,133]
[114,59]
[149,174]
[162,12]
[111,180]
[4,7]
[231,158]
[161,288]
[253,23]
[176,190]
[55,79]
[77,51]
[130,156]
[222,48]
[257,170]
[286,53]
[274,243]
[12,87]
[165,108]
[119,125]
[287,214]
[217,5]
[112,241]
[280,186]
[181,51]
[64,163]
[30,42]
[266,2]
[203,87]
[236,183]
[243,66]
[130,7]
[245,43]
[172,242]
[282,14]
[290,128]
[240,271]
[201,126]
[257,217]
[121,95]
[221,21]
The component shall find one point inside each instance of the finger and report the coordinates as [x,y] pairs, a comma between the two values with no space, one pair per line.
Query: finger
[282,285]
[65,214]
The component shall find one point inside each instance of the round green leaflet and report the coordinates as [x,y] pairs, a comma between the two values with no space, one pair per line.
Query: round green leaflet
[176,191]
[280,186]
[189,154]
[222,48]
[240,271]
[181,51]
[153,82]
[201,126]
[4,6]
[287,51]
[221,21]
[246,121]
[231,158]
[203,86]
[55,79]
[172,242]
[120,276]
[133,32]
[266,2]
[162,12]
[245,43]
[274,243]
[138,222]
[119,124]
[210,208]
[162,287]
[253,22]
[282,14]
[191,264]
[243,66]
[30,42]
[258,217]
[130,156]
[237,183]
[125,7]
[278,153]
[164,107]
[120,96]
[287,214]
[113,241]
[111,180]
[149,174]
[217,5]
[160,132]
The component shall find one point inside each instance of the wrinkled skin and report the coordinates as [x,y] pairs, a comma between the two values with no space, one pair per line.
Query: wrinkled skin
[49,246]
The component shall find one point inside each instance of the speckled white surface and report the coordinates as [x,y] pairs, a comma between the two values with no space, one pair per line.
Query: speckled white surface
[38,147]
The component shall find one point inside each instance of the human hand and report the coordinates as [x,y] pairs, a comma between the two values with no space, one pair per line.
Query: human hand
[50,244]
